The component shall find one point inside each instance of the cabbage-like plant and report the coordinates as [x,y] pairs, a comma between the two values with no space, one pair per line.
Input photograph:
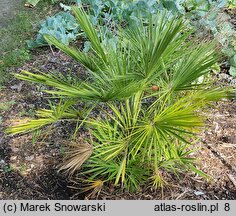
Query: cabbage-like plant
[148,94]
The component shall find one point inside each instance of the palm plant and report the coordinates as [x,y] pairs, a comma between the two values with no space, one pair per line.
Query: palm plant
[147,90]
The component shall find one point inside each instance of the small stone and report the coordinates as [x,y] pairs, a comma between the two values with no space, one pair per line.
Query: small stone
[29,158]
[2,162]
[198,193]
[13,158]
[233,81]
[223,76]
[17,87]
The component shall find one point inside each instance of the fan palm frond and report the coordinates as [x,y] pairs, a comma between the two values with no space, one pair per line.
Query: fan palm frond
[78,154]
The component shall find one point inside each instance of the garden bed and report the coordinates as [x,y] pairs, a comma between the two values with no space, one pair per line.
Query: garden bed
[30,170]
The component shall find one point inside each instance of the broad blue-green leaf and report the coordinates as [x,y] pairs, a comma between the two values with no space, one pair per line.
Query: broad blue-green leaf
[232,61]
[232,71]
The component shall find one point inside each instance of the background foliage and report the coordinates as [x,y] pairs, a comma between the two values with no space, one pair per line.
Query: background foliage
[206,16]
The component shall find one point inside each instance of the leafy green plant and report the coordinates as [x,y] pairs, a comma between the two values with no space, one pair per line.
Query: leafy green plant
[139,141]
[203,14]
[62,25]
[212,18]
[146,92]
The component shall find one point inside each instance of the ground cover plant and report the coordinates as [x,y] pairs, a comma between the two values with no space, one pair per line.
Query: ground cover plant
[141,101]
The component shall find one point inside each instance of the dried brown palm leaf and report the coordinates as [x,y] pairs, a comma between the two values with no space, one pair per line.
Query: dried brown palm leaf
[95,187]
[76,156]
